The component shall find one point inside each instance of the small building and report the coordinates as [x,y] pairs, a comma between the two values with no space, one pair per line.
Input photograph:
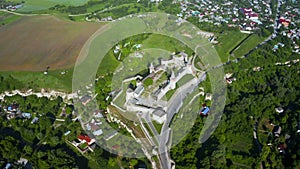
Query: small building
[9,108]
[208,96]
[67,133]
[115,147]
[26,115]
[86,139]
[204,111]
[159,116]
[277,131]
[281,147]
[141,166]
[110,135]
[84,143]
[98,114]
[279,110]
[85,99]
[34,120]
[98,132]
[13,107]
[138,91]
[8,166]
[25,163]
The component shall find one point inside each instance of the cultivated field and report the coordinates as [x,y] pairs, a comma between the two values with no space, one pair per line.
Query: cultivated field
[33,43]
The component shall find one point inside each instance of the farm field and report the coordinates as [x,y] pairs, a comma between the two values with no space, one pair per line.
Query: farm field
[33,43]
[36,5]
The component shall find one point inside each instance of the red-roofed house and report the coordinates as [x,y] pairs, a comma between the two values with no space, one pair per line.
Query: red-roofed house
[86,139]
[253,16]
[115,147]
[285,22]
[84,143]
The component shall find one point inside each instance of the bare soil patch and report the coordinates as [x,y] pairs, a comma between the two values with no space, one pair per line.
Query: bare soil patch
[35,42]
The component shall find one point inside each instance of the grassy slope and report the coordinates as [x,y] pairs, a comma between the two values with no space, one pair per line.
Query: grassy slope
[6,18]
[166,43]
[37,80]
[247,45]
[227,41]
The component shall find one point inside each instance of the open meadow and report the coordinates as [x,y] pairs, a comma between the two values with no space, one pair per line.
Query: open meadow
[33,43]
[36,5]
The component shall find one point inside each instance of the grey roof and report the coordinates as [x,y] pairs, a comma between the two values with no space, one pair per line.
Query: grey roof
[139,89]
[159,112]
[110,135]
[98,132]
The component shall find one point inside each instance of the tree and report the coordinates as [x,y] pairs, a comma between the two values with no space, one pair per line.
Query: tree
[28,150]
[133,162]
[9,148]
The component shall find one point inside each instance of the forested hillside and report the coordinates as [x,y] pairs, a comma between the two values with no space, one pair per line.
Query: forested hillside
[262,85]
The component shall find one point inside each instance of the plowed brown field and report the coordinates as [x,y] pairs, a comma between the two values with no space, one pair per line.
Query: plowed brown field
[33,43]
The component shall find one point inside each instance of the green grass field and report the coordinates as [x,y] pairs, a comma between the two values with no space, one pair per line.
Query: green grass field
[6,18]
[157,126]
[37,80]
[247,45]
[36,5]
[227,41]
[166,43]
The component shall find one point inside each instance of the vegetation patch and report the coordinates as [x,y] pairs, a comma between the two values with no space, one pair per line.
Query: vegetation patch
[36,5]
[227,41]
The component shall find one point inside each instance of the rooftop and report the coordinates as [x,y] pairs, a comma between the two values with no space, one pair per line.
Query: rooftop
[84,137]
[159,112]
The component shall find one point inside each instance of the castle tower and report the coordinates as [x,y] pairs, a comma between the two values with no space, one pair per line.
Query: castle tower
[151,68]
[173,80]
[190,68]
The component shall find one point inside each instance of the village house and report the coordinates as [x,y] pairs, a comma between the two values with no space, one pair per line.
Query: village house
[277,130]
[204,110]
[85,99]
[279,110]
[84,143]
[110,135]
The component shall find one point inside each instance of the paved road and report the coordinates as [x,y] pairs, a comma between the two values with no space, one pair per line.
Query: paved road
[174,106]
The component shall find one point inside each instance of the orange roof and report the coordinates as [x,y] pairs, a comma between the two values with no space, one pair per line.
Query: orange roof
[85,137]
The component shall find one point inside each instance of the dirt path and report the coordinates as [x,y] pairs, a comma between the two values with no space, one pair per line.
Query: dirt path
[21,14]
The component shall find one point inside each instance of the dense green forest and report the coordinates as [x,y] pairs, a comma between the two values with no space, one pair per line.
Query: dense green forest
[43,143]
[251,102]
